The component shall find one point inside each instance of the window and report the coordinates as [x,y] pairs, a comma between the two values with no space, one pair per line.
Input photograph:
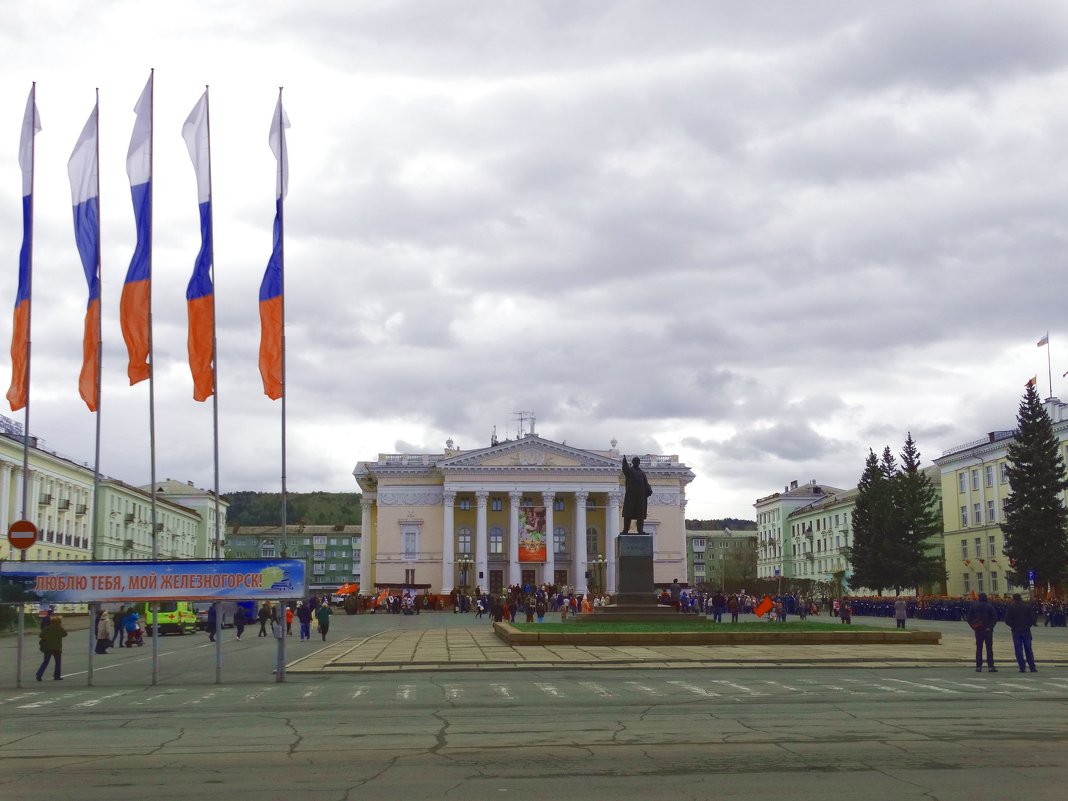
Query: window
[963,482]
[994,582]
[496,540]
[978,547]
[560,540]
[963,516]
[464,504]
[979,582]
[333,540]
[411,542]
[307,540]
[464,540]
[975,479]
[592,544]
[496,504]
[964,549]
[1004,472]
[409,576]
[991,512]
[319,540]
[978,510]
[967,584]
[318,568]
[558,505]
[988,478]
[991,548]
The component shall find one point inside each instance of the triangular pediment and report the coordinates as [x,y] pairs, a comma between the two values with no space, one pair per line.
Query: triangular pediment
[529,452]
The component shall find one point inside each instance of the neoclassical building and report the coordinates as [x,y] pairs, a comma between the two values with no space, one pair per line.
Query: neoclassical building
[523,511]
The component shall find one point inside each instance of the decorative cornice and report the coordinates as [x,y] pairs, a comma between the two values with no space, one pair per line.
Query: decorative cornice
[398,497]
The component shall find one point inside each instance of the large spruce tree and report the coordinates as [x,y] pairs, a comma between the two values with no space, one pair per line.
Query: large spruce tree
[918,519]
[872,516]
[1036,522]
[896,511]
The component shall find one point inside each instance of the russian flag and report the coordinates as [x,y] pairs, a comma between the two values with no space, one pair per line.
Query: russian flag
[136,302]
[272,322]
[85,196]
[200,294]
[18,392]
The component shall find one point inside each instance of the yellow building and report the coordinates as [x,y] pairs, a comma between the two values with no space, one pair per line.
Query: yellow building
[524,511]
[974,489]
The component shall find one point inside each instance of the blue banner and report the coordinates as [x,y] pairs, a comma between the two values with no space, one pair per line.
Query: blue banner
[193,580]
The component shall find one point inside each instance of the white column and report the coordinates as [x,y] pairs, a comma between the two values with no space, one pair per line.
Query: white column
[5,495]
[548,572]
[368,543]
[481,541]
[448,555]
[611,532]
[515,574]
[579,542]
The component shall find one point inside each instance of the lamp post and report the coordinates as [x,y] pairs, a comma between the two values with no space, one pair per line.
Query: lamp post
[464,561]
[600,563]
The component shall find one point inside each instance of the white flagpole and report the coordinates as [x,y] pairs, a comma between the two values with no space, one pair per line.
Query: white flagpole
[280,675]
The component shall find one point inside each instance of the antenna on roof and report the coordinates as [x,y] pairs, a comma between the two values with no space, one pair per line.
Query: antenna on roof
[521,418]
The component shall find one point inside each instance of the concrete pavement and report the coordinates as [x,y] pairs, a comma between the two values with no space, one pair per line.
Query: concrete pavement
[430,643]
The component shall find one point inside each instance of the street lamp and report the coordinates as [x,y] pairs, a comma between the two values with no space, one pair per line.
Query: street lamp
[600,563]
[464,561]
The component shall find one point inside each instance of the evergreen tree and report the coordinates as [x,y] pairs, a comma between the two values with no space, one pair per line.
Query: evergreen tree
[872,516]
[1036,522]
[919,519]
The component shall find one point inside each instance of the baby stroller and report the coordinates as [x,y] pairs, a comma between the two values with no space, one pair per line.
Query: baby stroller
[135,637]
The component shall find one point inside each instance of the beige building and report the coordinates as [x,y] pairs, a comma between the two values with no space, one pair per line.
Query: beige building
[201,501]
[524,511]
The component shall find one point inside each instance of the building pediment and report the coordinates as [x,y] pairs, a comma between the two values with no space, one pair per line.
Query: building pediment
[530,451]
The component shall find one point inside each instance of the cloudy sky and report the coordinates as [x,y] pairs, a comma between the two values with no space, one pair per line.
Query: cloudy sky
[764,237]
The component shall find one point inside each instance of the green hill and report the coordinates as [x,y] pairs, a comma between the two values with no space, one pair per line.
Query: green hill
[311,508]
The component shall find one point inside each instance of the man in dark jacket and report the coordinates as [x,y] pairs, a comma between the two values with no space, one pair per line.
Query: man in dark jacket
[982,617]
[636,497]
[1020,618]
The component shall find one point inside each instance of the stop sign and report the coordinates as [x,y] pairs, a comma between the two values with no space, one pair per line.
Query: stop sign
[22,534]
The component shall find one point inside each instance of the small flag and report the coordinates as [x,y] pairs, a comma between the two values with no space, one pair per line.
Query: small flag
[1033,380]
[136,301]
[1044,340]
[763,607]
[200,294]
[968,562]
[85,197]
[982,561]
[18,392]
[272,324]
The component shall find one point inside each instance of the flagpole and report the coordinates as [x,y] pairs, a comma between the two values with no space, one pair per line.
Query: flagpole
[26,411]
[99,349]
[1049,366]
[280,676]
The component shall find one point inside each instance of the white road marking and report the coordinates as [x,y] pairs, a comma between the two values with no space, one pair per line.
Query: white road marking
[926,686]
[101,699]
[452,692]
[786,686]
[163,694]
[644,689]
[597,688]
[360,690]
[502,690]
[406,692]
[1022,687]
[549,689]
[693,688]
[311,691]
[744,689]
[18,698]
[47,701]
[254,696]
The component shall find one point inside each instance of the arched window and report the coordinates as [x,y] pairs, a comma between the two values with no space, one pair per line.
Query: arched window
[463,540]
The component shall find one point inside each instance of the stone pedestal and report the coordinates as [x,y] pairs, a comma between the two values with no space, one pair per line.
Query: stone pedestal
[635,598]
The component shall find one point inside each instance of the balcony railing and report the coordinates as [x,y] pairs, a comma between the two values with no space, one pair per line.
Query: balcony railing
[64,504]
[80,509]
[128,518]
[45,500]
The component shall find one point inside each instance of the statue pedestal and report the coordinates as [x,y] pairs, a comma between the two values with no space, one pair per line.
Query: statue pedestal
[635,598]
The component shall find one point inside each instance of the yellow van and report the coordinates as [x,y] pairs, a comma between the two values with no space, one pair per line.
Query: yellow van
[175,617]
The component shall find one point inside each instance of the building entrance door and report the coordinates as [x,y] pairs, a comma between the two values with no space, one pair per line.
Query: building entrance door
[529,579]
[496,581]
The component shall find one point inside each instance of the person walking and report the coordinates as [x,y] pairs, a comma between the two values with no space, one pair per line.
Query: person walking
[52,647]
[289,620]
[239,621]
[212,624]
[1020,617]
[982,617]
[264,617]
[105,632]
[120,627]
[304,615]
[900,611]
[322,616]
